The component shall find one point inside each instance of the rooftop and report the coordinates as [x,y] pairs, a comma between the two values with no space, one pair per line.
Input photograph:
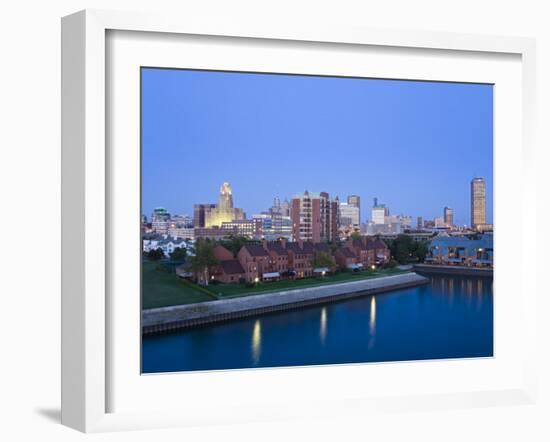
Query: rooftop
[232,267]
[256,250]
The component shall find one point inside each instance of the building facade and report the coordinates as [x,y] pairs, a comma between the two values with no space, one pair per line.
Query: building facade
[314,217]
[448,216]
[461,250]
[349,215]
[213,215]
[379,212]
[478,202]
[250,228]
[160,220]
[199,214]
[355,201]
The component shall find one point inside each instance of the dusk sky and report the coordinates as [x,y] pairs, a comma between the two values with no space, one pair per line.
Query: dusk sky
[414,145]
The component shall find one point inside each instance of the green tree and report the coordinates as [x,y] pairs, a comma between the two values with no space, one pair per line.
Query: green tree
[355,235]
[203,260]
[420,250]
[402,248]
[234,243]
[179,254]
[155,254]
[322,259]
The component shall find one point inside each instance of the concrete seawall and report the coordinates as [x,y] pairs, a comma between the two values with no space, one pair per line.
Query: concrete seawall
[438,269]
[167,319]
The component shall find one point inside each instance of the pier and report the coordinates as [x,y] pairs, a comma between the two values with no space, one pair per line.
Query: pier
[173,318]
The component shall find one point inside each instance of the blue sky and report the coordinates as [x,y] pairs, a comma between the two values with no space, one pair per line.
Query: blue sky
[414,145]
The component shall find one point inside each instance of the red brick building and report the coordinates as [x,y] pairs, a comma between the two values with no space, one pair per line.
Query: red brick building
[222,254]
[229,269]
[345,258]
[314,217]
[255,261]
[279,259]
[359,247]
[300,257]
[279,256]
[381,252]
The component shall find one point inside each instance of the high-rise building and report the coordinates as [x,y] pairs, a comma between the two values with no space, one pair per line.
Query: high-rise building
[448,216]
[477,201]
[379,212]
[419,223]
[199,214]
[349,215]
[285,208]
[355,201]
[404,220]
[160,220]
[314,217]
[210,215]
[439,222]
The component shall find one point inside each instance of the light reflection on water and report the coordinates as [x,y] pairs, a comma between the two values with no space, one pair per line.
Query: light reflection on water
[256,342]
[323,329]
[372,323]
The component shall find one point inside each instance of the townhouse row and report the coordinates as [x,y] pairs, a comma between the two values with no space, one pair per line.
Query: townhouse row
[270,261]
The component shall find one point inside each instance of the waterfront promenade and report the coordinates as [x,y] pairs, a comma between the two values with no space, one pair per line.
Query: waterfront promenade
[440,269]
[176,317]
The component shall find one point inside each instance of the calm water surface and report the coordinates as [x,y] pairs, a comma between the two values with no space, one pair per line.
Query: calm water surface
[452,317]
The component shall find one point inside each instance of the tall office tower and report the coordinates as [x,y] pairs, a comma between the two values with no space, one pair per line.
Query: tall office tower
[477,201]
[199,214]
[160,220]
[349,215]
[225,200]
[276,215]
[334,220]
[448,216]
[314,217]
[379,212]
[210,215]
[285,208]
[355,201]
[419,223]
[276,205]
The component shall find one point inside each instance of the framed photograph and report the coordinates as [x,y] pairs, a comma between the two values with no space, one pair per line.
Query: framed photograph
[263,222]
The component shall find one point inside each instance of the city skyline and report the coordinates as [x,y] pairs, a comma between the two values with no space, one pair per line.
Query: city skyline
[448,212]
[202,128]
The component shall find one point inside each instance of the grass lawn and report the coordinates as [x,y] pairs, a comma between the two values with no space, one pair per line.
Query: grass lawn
[162,289]
[235,290]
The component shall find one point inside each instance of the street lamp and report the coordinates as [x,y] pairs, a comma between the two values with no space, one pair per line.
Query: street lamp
[373,267]
[256,280]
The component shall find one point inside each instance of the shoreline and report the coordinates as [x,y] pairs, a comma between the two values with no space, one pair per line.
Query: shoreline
[441,269]
[166,319]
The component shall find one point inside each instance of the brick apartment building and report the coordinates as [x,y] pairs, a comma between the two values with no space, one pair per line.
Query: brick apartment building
[282,259]
[314,217]
[345,258]
[279,256]
[230,269]
[255,260]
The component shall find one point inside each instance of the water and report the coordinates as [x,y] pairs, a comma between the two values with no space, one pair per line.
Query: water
[452,317]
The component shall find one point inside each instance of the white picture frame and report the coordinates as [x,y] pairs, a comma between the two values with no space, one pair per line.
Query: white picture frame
[85,198]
